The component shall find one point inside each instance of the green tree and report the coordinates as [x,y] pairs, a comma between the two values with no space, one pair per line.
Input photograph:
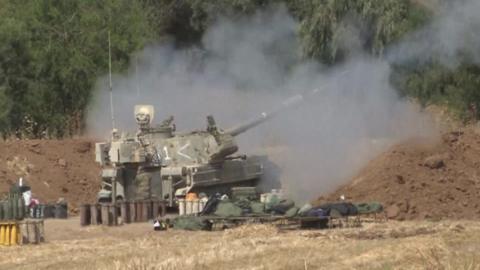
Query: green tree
[52,51]
[457,89]
[379,23]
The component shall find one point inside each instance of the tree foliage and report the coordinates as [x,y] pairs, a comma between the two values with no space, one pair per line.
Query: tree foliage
[376,23]
[457,89]
[52,51]
[187,20]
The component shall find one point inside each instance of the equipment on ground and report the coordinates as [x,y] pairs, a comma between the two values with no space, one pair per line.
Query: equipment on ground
[283,213]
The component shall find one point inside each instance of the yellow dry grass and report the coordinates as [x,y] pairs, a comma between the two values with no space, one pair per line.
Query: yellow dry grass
[392,245]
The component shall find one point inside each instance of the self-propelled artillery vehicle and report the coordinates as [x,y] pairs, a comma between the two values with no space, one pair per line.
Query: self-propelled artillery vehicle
[158,163]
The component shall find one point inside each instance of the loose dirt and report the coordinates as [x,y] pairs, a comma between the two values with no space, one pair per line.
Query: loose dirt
[423,179]
[417,179]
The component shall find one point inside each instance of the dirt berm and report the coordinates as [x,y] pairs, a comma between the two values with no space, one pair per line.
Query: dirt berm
[53,168]
[414,180]
[423,179]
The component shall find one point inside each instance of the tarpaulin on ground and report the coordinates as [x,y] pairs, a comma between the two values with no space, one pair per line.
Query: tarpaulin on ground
[228,209]
[190,223]
[315,212]
[369,208]
[282,206]
[291,212]
[339,209]
[257,207]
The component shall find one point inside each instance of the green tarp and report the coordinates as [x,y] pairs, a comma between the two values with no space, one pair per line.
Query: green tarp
[292,212]
[369,208]
[257,207]
[190,223]
[228,209]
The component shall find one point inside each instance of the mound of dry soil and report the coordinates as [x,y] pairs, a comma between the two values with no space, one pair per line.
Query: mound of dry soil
[53,168]
[414,180]
[419,179]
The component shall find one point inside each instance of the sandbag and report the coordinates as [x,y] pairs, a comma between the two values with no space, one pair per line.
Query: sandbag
[257,207]
[270,201]
[304,209]
[245,205]
[292,212]
[228,209]
[190,223]
[282,206]
[343,209]
[369,208]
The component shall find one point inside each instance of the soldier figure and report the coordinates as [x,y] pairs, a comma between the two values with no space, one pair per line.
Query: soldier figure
[212,125]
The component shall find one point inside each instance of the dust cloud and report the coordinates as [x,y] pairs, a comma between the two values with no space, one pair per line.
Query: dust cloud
[248,65]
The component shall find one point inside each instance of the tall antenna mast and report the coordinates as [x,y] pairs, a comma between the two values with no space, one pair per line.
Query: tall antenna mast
[114,179]
[110,79]
[136,77]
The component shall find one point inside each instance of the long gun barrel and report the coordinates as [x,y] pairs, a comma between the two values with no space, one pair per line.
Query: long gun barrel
[264,116]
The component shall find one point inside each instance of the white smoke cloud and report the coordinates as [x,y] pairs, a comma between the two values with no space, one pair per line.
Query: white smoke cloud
[249,65]
[452,37]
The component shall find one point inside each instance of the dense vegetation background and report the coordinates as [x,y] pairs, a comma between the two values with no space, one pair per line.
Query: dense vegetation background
[52,51]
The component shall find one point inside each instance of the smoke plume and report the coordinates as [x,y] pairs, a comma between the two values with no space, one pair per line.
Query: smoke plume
[451,38]
[249,65]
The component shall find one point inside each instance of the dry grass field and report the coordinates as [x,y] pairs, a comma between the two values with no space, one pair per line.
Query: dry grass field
[392,245]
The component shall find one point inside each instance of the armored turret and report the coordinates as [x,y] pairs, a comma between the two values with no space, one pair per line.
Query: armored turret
[158,162]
